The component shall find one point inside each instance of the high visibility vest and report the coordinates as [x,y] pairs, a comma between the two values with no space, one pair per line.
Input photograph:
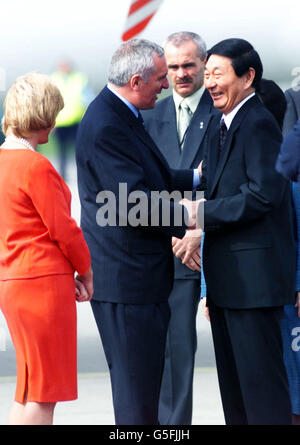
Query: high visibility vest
[71,87]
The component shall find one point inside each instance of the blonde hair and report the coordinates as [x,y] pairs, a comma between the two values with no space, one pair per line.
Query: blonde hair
[31,104]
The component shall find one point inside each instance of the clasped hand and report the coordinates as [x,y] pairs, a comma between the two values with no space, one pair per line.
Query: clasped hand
[188,248]
[84,288]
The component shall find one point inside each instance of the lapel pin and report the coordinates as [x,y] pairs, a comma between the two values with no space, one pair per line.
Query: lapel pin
[201,125]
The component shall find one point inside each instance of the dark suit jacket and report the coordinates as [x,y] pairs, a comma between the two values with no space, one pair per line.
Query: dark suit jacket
[249,253]
[130,264]
[161,125]
[292,113]
[288,162]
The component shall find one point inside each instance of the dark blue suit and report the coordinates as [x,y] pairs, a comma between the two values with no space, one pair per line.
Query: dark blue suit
[133,266]
[176,398]
[292,113]
[288,162]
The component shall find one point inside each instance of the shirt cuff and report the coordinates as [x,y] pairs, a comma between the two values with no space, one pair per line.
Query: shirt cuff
[196,178]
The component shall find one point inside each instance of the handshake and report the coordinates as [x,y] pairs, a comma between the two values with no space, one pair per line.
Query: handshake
[188,248]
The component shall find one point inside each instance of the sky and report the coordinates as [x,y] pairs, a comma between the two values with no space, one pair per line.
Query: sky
[35,34]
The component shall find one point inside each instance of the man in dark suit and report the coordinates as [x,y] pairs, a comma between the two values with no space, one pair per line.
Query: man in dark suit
[292,113]
[129,229]
[249,252]
[288,162]
[181,140]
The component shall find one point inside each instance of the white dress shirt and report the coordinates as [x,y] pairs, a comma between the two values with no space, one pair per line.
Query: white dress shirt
[228,118]
[192,101]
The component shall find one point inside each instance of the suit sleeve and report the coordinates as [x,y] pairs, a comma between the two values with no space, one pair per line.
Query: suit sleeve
[182,179]
[117,159]
[264,188]
[290,117]
[51,199]
[296,206]
[288,162]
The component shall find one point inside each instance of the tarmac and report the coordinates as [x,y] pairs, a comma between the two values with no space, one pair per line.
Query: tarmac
[94,403]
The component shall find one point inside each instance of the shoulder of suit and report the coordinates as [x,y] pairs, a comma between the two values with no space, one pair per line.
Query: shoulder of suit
[165,102]
[258,115]
[292,94]
[206,97]
[160,108]
[102,111]
[207,102]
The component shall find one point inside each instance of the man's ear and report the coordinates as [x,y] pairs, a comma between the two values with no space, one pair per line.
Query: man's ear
[249,77]
[135,81]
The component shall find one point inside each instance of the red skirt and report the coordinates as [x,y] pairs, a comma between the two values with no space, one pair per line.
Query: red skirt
[41,318]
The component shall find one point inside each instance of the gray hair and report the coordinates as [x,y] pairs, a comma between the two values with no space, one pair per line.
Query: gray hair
[133,57]
[178,38]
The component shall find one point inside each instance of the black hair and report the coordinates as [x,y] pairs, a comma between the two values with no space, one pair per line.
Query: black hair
[273,98]
[243,57]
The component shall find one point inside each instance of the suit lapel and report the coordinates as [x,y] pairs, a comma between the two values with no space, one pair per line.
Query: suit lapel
[228,144]
[219,165]
[145,137]
[128,116]
[212,157]
[170,147]
[196,131]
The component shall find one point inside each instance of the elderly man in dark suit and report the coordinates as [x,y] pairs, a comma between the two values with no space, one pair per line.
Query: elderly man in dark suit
[178,124]
[119,165]
[249,252]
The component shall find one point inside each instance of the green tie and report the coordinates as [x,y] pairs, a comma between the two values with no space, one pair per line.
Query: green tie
[184,118]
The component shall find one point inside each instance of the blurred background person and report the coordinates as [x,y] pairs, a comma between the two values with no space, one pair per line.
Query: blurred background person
[77,95]
[2,137]
[291,320]
[293,108]
[288,164]
[273,99]
[41,247]
[178,124]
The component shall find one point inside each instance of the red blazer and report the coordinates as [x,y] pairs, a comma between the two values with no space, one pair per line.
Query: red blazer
[38,236]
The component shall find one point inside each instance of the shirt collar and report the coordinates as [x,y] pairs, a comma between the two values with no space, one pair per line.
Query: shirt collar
[192,100]
[123,99]
[228,118]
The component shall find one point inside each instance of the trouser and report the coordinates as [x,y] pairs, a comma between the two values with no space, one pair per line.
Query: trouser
[133,338]
[176,395]
[66,138]
[251,372]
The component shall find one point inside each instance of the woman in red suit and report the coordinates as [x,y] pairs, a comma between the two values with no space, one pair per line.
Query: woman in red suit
[41,247]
